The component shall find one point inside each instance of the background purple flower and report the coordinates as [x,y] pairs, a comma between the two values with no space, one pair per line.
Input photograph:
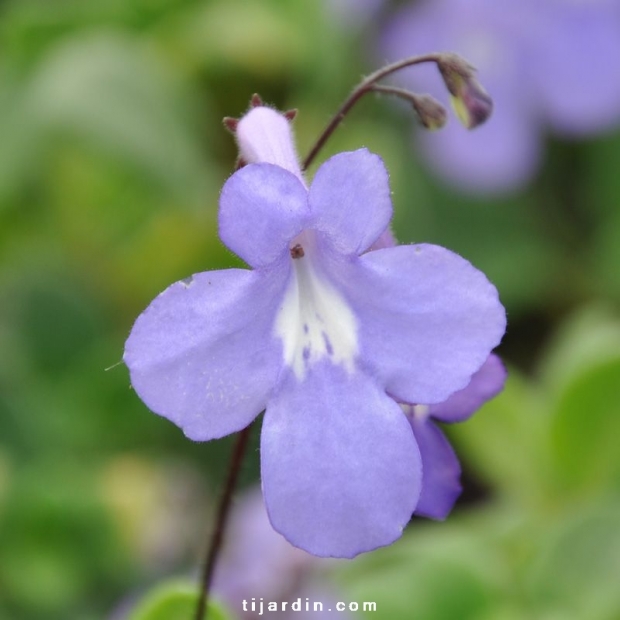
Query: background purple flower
[552,63]
[258,562]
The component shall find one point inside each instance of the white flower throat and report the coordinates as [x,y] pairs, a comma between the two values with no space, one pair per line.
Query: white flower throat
[314,321]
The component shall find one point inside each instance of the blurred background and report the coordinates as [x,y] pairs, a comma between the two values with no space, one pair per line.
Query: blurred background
[112,155]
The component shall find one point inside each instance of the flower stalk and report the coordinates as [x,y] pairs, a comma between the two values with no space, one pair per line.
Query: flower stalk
[369,84]
[221,520]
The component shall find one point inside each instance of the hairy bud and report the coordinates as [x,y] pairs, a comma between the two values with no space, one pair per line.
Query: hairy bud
[470,101]
[431,114]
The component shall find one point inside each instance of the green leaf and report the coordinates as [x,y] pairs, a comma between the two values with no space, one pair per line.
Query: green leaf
[109,93]
[174,600]
[264,41]
[590,336]
[586,427]
[19,148]
[575,572]
[437,571]
[505,440]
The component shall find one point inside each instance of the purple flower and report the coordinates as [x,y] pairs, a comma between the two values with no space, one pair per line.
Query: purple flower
[549,63]
[258,563]
[322,336]
[440,467]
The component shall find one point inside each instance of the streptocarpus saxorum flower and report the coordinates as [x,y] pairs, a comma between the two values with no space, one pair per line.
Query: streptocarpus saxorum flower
[546,63]
[323,336]
[440,467]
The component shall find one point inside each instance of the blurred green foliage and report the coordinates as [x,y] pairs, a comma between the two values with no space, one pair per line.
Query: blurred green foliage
[173,601]
[112,154]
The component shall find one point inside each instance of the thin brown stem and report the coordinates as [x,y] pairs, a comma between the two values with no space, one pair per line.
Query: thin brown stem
[221,520]
[365,86]
[393,90]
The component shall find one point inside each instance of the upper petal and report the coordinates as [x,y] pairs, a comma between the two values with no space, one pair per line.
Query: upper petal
[428,319]
[262,208]
[487,383]
[340,466]
[203,354]
[350,200]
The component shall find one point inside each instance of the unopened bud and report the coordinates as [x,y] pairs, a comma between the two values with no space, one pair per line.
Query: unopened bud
[431,113]
[474,105]
[470,101]
[264,135]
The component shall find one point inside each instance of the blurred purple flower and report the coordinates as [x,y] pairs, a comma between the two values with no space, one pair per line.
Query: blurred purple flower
[552,63]
[440,467]
[318,333]
[258,563]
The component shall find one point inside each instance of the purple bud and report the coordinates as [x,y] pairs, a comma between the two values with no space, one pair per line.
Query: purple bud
[470,101]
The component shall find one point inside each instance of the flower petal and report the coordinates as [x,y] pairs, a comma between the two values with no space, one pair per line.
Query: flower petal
[350,198]
[487,383]
[441,471]
[340,467]
[428,318]
[265,135]
[203,355]
[262,208]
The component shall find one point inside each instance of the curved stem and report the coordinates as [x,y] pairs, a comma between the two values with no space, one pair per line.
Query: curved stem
[365,86]
[220,523]
[393,90]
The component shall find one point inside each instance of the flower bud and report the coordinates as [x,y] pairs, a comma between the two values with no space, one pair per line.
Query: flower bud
[431,114]
[264,135]
[470,101]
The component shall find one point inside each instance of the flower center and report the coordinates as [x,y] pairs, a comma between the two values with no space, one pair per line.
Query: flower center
[314,320]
